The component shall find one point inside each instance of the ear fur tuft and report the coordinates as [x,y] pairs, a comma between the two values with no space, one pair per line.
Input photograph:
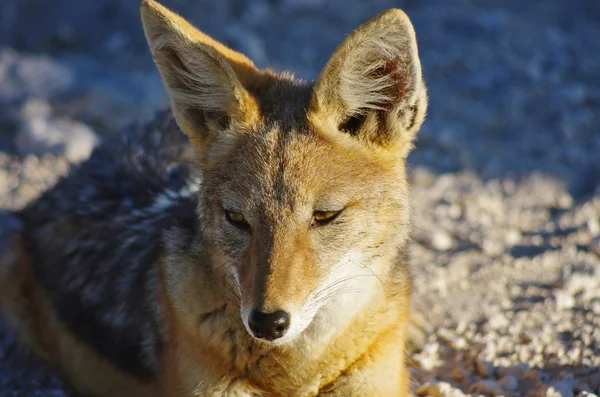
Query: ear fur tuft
[372,87]
[204,79]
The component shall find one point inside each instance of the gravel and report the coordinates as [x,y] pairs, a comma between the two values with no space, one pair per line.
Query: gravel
[506,171]
[517,302]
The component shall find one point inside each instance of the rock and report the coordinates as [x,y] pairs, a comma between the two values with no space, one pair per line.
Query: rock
[459,373]
[441,240]
[517,371]
[498,321]
[429,357]
[439,389]
[493,247]
[23,76]
[593,225]
[509,383]
[565,201]
[566,375]
[562,388]
[485,386]
[422,176]
[79,88]
[459,342]
[594,382]
[513,236]
[564,300]
[586,394]
[532,375]
[41,133]
[109,99]
[485,368]
[595,245]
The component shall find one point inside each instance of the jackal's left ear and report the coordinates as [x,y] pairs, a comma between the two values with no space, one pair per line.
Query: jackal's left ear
[372,87]
[205,80]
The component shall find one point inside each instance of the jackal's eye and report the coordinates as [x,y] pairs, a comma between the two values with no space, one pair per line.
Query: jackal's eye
[323,217]
[236,218]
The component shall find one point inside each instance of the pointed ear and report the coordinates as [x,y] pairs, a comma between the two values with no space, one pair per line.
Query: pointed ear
[204,79]
[372,87]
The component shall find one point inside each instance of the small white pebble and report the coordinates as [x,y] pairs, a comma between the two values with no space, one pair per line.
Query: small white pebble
[586,394]
[513,236]
[564,300]
[498,321]
[593,225]
[562,388]
[459,343]
[565,201]
[441,240]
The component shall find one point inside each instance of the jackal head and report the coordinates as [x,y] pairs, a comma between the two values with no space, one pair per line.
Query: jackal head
[304,195]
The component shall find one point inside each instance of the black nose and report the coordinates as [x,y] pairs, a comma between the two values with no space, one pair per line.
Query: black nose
[269,326]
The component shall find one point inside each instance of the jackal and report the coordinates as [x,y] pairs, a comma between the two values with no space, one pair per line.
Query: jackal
[253,246]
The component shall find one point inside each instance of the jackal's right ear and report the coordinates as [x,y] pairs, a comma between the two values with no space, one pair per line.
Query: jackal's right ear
[372,87]
[205,79]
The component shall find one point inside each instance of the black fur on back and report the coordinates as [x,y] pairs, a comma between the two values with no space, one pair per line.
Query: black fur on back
[95,238]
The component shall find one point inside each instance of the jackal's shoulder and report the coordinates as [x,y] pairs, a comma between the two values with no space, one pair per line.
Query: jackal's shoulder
[95,240]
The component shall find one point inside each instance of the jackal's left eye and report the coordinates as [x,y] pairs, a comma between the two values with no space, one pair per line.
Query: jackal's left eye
[236,218]
[324,217]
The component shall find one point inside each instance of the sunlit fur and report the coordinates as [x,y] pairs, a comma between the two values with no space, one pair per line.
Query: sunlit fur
[143,253]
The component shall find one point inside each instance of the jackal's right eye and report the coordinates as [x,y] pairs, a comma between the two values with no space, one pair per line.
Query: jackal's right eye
[236,218]
[321,218]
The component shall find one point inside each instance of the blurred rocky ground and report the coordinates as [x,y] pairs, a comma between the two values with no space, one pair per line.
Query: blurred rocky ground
[506,169]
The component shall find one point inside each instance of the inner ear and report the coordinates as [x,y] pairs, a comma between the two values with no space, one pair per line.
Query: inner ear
[353,123]
[209,119]
[393,84]
[204,79]
[372,86]
[202,118]
[392,87]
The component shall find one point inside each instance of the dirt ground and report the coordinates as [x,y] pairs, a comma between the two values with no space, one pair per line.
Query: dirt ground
[506,172]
